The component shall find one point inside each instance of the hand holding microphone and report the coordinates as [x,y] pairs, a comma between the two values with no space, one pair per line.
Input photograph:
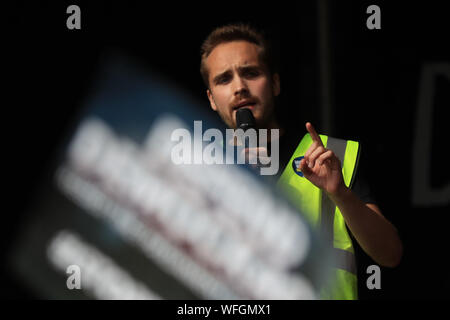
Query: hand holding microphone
[245,120]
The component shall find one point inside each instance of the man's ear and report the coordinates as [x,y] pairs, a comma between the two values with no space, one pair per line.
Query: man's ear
[211,100]
[276,84]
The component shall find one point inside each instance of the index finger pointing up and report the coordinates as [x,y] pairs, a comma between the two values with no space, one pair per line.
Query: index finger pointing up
[315,137]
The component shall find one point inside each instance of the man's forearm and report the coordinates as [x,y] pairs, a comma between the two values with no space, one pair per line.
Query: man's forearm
[374,233]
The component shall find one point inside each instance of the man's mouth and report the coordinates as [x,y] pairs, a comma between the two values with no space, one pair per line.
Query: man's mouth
[245,104]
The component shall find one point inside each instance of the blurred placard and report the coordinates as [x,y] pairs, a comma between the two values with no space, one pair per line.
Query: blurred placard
[120,220]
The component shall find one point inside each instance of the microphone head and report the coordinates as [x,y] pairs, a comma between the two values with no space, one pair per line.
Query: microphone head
[245,119]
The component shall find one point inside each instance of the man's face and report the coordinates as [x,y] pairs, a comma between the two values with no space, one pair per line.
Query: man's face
[237,79]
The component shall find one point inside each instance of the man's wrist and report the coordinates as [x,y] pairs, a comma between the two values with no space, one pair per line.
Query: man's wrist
[341,193]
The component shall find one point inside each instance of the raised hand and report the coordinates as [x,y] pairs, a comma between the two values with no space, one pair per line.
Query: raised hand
[321,166]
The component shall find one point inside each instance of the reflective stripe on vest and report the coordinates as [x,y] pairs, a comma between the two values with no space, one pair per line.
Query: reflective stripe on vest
[323,214]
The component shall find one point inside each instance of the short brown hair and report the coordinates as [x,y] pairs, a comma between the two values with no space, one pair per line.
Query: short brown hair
[234,32]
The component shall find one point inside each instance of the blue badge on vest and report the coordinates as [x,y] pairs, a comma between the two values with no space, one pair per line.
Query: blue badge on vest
[295,164]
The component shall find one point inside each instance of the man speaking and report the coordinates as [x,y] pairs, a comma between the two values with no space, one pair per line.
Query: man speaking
[318,173]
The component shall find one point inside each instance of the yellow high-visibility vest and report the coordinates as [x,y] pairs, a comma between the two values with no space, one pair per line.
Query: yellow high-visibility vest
[324,216]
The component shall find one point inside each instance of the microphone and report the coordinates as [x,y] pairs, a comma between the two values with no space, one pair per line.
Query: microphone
[245,119]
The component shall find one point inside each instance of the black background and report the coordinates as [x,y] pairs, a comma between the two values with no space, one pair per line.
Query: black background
[376,76]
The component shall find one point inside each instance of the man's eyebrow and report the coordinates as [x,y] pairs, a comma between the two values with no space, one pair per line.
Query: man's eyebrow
[221,75]
[249,67]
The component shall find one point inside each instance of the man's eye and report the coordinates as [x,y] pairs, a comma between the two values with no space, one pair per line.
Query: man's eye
[222,80]
[252,74]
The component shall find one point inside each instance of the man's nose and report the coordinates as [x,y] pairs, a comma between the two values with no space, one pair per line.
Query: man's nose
[240,86]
